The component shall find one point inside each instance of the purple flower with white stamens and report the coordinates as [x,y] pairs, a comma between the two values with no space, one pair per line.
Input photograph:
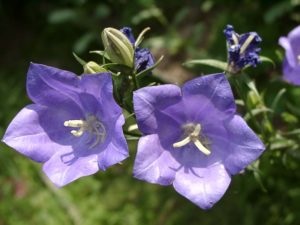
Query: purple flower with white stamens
[193,139]
[242,49]
[143,57]
[74,126]
[291,63]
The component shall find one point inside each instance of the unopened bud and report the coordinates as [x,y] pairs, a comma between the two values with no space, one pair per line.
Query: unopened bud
[93,67]
[118,47]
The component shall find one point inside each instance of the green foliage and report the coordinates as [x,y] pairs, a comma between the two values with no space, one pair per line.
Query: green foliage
[268,192]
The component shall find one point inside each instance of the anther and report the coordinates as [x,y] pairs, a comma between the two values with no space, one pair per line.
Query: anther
[193,136]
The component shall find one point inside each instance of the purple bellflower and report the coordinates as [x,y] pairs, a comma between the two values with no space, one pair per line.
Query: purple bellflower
[143,57]
[193,139]
[242,49]
[74,126]
[291,63]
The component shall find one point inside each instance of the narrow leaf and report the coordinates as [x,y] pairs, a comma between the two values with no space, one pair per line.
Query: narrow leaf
[207,62]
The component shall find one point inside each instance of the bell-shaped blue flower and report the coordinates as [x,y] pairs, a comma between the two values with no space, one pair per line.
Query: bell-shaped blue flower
[193,138]
[74,126]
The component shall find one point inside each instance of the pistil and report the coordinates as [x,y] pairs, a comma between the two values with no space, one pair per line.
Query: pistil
[193,135]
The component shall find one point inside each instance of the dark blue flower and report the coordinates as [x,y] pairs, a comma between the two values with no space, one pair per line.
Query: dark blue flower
[143,58]
[242,49]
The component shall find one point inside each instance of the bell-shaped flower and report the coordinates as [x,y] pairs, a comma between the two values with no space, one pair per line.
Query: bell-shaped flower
[193,138]
[242,49]
[74,126]
[143,58]
[291,63]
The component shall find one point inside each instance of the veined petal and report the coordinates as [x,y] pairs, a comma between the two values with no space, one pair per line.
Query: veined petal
[37,132]
[52,87]
[211,95]
[100,89]
[153,163]
[238,145]
[63,169]
[152,101]
[116,150]
[203,186]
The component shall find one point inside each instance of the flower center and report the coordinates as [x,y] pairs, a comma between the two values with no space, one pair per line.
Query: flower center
[192,133]
[92,125]
[298,58]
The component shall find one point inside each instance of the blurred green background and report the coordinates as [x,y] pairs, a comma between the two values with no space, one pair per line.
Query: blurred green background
[48,32]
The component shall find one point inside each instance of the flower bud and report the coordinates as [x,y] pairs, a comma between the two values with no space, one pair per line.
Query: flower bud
[118,47]
[92,67]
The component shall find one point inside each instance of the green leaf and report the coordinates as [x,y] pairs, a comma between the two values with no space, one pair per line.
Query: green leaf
[289,118]
[62,16]
[277,98]
[207,62]
[267,59]
[255,112]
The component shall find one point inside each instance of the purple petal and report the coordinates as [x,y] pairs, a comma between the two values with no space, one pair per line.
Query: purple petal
[153,163]
[294,38]
[62,171]
[208,98]
[97,91]
[152,101]
[291,60]
[237,143]
[117,149]
[52,87]
[127,31]
[143,59]
[291,74]
[203,186]
[38,132]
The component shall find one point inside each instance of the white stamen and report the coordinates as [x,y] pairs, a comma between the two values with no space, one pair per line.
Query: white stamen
[182,142]
[201,147]
[246,43]
[74,123]
[77,133]
[193,132]
[92,125]
[298,57]
[235,39]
